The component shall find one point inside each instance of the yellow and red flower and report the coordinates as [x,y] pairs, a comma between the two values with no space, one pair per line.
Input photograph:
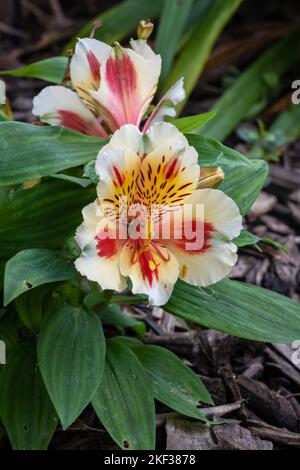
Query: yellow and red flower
[146,224]
[112,86]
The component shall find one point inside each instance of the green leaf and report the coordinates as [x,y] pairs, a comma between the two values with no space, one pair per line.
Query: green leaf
[71,356]
[191,123]
[251,88]
[33,306]
[124,402]
[192,59]
[4,117]
[244,178]
[31,268]
[42,217]
[29,152]
[275,244]
[25,408]
[172,382]
[113,315]
[246,238]
[288,124]
[172,23]
[52,70]
[82,182]
[8,333]
[119,21]
[238,309]
[90,172]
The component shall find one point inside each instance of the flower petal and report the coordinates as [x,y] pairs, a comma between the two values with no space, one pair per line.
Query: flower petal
[85,72]
[128,83]
[169,173]
[164,133]
[220,210]
[58,105]
[85,233]
[209,267]
[85,64]
[166,105]
[99,260]
[149,273]
[103,270]
[120,153]
[209,256]
[128,137]
[141,47]
[117,166]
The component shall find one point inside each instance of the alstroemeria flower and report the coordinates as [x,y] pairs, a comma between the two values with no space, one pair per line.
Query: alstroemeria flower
[112,86]
[139,226]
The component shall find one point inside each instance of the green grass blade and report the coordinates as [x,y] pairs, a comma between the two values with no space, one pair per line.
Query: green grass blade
[119,21]
[172,23]
[288,124]
[192,59]
[52,70]
[254,87]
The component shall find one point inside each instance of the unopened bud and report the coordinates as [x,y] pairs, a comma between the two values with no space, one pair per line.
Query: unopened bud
[210,177]
[144,29]
[118,50]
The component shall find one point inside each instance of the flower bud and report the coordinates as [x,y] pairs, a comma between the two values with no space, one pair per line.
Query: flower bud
[210,177]
[118,51]
[144,29]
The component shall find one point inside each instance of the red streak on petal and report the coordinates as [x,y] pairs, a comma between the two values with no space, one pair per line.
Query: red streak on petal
[94,66]
[191,227]
[121,79]
[106,247]
[119,176]
[77,123]
[121,75]
[172,168]
[145,259]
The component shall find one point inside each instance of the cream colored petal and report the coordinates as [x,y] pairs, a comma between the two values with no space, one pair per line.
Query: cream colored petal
[161,289]
[163,134]
[220,210]
[104,271]
[216,254]
[176,93]
[83,67]
[209,267]
[86,232]
[128,137]
[141,47]
[166,105]
[128,84]
[118,164]
[160,114]
[58,105]
[170,172]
